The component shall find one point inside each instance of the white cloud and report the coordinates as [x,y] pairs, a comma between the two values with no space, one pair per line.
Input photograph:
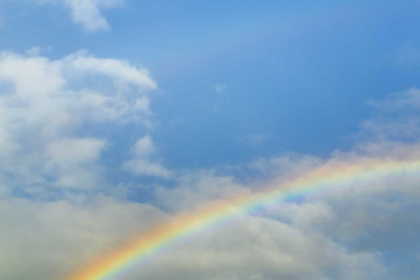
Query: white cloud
[44,104]
[88,13]
[196,188]
[7,146]
[144,146]
[336,238]
[121,71]
[140,164]
[340,234]
[409,99]
[286,166]
[65,235]
[397,117]
[37,51]
[74,161]
[72,151]
[146,167]
[259,248]
[34,51]
[47,240]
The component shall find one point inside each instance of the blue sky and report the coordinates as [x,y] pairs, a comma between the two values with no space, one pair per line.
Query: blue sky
[305,65]
[118,106]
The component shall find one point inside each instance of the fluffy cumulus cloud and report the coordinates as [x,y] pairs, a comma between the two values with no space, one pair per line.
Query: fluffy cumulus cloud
[141,164]
[88,13]
[144,146]
[46,106]
[55,115]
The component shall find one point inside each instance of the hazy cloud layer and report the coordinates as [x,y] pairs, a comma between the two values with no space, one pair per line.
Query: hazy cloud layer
[46,240]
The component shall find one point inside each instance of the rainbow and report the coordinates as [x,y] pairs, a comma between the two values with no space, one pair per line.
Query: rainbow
[328,177]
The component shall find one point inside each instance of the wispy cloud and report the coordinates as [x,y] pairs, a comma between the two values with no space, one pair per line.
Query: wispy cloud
[220,88]
[407,56]
[88,13]
[146,167]
[34,51]
[397,117]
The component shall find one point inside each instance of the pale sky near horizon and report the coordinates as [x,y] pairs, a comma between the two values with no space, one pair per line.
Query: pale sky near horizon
[124,112]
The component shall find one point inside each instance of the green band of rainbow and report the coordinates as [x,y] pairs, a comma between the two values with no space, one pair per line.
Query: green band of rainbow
[323,179]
